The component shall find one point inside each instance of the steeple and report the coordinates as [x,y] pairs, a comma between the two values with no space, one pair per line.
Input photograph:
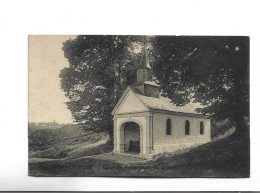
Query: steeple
[144,69]
[144,62]
[145,85]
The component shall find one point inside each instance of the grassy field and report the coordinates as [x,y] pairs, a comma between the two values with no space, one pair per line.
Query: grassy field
[227,157]
[63,142]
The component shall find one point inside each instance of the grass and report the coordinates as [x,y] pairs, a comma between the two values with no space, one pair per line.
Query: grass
[63,142]
[227,157]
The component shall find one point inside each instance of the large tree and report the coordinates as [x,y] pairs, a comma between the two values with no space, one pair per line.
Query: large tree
[101,67]
[213,71]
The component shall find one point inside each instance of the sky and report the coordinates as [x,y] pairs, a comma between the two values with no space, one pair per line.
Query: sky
[46,60]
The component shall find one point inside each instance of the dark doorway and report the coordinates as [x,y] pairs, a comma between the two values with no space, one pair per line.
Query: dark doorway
[132,137]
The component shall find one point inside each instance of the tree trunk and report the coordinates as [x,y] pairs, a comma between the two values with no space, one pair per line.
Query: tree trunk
[111,136]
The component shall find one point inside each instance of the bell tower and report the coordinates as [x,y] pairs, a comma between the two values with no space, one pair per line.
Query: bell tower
[144,70]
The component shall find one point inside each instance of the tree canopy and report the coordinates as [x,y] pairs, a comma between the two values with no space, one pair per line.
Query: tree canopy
[213,71]
[101,67]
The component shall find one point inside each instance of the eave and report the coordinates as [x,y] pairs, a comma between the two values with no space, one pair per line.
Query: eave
[195,115]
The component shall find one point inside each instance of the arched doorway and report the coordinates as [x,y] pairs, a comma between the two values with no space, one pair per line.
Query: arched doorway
[131,137]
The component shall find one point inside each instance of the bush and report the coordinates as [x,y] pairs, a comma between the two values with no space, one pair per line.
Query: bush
[219,126]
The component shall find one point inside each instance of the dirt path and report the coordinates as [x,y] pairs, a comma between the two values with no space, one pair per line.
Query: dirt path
[118,158]
[36,160]
[224,135]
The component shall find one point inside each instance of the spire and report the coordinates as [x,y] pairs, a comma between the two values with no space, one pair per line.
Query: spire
[144,62]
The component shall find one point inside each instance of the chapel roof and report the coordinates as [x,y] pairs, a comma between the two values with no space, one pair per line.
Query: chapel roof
[163,103]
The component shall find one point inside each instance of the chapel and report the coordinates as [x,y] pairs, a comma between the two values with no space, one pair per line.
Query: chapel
[146,123]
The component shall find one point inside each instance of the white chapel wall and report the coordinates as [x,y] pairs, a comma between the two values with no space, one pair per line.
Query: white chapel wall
[138,119]
[177,139]
[131,104]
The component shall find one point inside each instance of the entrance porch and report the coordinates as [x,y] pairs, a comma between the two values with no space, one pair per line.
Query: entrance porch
[132,136]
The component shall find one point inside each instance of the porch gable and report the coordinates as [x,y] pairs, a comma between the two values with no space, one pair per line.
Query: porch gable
[129,103]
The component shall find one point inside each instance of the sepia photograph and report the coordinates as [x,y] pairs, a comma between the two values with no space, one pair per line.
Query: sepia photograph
[138,106]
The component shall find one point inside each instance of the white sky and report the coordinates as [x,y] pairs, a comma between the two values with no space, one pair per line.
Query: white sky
[46,99]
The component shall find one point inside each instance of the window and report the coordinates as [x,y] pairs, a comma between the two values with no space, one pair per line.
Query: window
[168,127]
[187,127]
[201,128]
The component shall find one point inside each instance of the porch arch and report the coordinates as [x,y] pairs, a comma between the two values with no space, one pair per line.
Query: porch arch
[122,136]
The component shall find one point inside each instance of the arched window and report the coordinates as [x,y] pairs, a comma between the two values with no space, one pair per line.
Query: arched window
[187,127]
[201,128]
[168,127]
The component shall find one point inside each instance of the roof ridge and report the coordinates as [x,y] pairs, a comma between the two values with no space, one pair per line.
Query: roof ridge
[164,103]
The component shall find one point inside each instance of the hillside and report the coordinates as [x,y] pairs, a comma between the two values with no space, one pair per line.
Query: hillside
[61,142]
[225,157]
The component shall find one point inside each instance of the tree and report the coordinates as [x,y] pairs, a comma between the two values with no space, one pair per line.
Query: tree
[101,67]
[213,71]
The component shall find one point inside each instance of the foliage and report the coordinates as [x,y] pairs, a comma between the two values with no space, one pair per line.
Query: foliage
[219,127]
[213,71]
[49,124]
[101,67]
